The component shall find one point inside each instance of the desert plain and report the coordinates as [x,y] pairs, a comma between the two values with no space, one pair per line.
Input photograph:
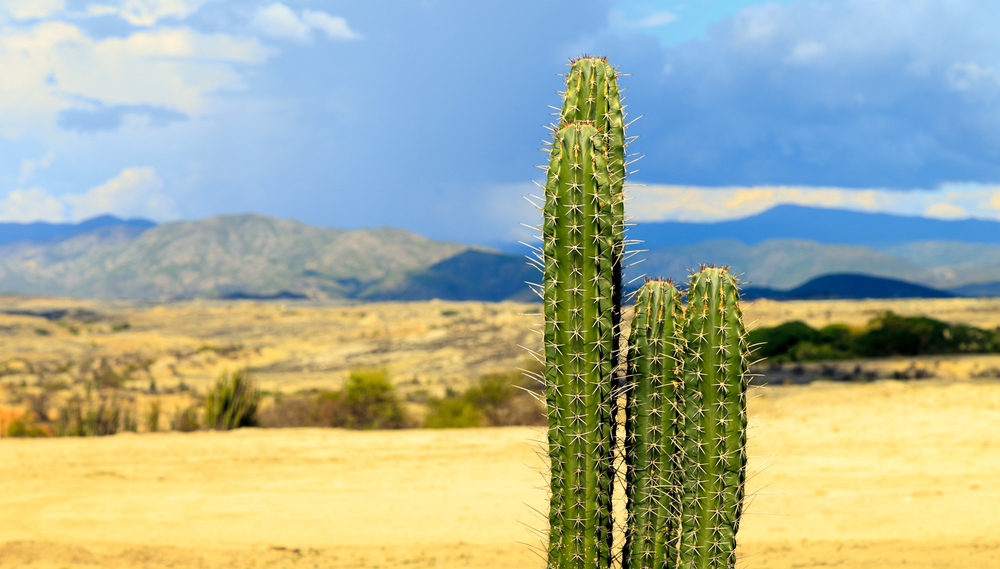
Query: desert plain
[878,474]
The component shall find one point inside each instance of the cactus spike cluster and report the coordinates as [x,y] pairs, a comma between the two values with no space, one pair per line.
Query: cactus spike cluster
[714,430]
[655,375]
[684,391]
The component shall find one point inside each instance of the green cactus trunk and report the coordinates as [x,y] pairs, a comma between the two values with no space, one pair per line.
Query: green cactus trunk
[592,95]
[714,442]
[579,251]
[656,353]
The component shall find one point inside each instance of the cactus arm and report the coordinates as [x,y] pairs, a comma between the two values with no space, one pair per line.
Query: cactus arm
[578,254]
[715,377]
[651,423]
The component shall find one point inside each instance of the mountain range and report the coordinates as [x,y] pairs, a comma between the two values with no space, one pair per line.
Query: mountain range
[829,226]
[255,256]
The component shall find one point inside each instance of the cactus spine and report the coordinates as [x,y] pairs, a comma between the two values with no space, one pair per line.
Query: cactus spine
[714,442]
[656,354]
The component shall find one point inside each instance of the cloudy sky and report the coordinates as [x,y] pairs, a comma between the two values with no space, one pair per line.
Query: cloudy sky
[428,114]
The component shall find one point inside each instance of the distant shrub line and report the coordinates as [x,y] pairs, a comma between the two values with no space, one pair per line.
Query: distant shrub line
[884,336]
[367,401]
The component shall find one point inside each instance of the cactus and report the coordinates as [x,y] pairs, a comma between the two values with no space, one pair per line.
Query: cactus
[579,253]
[592,95]
[656,353]
[714,443]
[685,418]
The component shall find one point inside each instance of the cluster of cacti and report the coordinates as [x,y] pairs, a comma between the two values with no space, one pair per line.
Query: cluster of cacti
[682,393]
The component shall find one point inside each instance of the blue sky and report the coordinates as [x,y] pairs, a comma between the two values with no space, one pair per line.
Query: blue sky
[428,114]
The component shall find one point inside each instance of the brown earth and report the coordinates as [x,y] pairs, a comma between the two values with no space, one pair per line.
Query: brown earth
[873,475]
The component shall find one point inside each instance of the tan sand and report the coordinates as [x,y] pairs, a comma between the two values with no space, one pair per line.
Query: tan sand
[880,475]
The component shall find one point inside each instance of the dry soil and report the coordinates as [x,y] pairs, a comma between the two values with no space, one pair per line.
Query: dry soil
[878,475]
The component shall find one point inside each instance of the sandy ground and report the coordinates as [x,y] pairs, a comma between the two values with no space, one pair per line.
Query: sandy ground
[878,475]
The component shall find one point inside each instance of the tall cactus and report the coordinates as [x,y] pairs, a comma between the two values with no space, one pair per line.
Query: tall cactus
[656,355]
[592,95]
[579,253]
[714,443]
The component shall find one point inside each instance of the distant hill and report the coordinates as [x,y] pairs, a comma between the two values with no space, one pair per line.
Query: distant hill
[225,256]
[821,225]
[43,232]
[777,263]
[847,286]
[470,275]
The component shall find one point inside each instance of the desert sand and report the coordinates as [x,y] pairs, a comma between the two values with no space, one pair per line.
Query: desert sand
[872,475]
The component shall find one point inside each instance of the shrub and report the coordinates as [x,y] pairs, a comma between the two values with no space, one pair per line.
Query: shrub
[370,402]
[494,400]
[453,411]
[185,421]
[77,420]
[232,403]
[24,427]
[152,417]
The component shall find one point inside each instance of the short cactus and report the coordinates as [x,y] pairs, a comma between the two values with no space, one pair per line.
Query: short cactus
[713,455]
[652,477]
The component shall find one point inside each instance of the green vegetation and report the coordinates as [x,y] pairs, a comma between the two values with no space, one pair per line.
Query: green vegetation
[495,400]
[232,403]
[368,401]
[79,418]
[885,335]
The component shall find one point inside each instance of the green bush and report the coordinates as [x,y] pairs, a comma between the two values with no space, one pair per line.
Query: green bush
[453,411]
[494,400]
[185,421]
[885,335]
[152,417]
[25,428]
[232,403]
[370,402]
[77,419]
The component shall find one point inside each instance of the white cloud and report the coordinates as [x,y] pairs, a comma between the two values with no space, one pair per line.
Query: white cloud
[945,210]
[806,51]
[146,12]
[965,75]
[33,204]
[657,19]
[620,20]
[278,20]
[335,27]
[703,204]
[48,67]
[29,9]
[28,166]
[135,192]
